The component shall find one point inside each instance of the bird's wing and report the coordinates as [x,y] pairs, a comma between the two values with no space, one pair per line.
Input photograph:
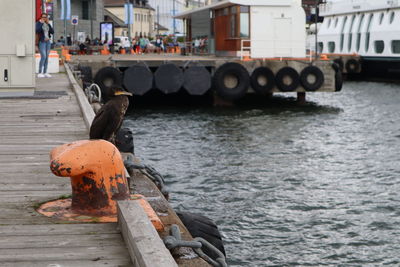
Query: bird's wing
[99,123]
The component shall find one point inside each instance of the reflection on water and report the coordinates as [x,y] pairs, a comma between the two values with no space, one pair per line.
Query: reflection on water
[287,185]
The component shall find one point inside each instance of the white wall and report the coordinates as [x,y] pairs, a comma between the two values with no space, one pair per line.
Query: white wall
[277,31]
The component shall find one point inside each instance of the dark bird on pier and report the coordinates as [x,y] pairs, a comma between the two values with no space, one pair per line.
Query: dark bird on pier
[108,120]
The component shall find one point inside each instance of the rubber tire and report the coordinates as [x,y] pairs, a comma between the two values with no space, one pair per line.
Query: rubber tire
[319,78]
[124,141]
[107,73]
[241,74]
[201,226]
[352,62]
[87,74]
[262,89]
[340,63]
[338,77]
[292,73]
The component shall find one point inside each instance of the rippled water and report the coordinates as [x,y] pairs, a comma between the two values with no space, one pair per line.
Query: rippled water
[288,186]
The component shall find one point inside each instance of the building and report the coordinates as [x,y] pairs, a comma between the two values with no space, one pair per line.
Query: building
[269,28]
[89,12]
[166,9]
[143,18]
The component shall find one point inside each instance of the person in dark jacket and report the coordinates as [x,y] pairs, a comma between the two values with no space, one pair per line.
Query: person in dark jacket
[44,32]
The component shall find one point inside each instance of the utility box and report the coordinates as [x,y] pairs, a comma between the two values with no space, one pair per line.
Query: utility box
[17,48]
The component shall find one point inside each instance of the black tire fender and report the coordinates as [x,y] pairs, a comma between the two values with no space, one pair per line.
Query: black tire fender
[269,76]
[338,77]
[106,77]
[86,74]
[138,79]
[340,63]
[292,74]
[124,140]
[319,78]
[239,72]
[353,66]
[201,226]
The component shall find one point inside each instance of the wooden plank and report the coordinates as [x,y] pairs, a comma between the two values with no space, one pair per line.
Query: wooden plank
[96,262]
[35,187]
[59,229]
[45,254]
[60,241]
[144,244]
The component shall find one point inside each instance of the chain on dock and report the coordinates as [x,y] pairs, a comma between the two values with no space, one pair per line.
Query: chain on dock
[175,240]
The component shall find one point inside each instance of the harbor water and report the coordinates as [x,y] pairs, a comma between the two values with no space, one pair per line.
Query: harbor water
[317,185]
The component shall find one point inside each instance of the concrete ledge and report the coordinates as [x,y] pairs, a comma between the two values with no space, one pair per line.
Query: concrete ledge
[144,244]
[87,111]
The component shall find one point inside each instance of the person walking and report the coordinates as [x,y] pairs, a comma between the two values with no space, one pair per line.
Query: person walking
[44,32]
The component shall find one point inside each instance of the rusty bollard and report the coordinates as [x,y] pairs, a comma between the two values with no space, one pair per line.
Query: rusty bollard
[97,177]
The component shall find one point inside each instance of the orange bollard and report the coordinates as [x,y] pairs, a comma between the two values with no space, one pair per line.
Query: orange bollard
[97,175]
[68,57]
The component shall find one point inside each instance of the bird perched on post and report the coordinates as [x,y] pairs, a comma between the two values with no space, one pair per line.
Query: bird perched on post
[108,120]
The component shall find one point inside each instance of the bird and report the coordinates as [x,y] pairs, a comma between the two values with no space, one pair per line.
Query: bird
[109,118]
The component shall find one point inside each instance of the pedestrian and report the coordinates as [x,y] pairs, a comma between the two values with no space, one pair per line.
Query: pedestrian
[44,32]
[142,43]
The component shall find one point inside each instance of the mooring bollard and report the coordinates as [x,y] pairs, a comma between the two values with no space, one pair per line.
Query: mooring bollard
[97,175]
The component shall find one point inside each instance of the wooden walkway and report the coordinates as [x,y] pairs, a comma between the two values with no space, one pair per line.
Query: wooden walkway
[29,129]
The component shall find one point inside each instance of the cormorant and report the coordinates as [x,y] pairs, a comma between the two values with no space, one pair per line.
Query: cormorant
[108,120]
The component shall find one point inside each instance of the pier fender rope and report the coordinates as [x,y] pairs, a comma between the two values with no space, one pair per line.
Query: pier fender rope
[197,80]
[353,66]
[284,74]
[262,80]
[138,79]
[338,77]
[312,71]
[105,78]
[231,81]
[168,78]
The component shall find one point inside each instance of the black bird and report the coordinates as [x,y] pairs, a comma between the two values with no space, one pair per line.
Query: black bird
[108,120]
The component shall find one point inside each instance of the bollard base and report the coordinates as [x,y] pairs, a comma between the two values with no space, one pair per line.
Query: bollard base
[61,209]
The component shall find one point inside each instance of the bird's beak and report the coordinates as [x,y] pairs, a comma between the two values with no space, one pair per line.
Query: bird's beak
[123,93]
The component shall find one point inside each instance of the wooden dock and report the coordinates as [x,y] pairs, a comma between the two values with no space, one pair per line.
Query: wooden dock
[29,129]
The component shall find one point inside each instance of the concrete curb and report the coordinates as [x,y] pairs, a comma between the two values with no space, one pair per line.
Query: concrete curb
[87,111]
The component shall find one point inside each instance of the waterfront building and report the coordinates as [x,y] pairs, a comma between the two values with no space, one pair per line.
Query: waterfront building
[90,13]
[143,18]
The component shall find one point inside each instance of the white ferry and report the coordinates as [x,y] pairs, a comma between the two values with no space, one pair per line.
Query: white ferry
[369,28]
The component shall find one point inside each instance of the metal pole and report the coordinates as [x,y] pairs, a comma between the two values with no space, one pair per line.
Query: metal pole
[316,29]
[129,21]
[158,20]
[173,14]
[65,22]
[91,20]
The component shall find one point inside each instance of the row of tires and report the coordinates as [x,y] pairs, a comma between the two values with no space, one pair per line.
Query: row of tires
[231,80]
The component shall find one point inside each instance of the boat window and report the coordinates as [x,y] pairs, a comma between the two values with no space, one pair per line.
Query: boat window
[391,17]
[381,18]
[320,47]
[336,22]
[359,33]
[350,32]
[379,47]
[331,47]
[342,34]
[329,23]
[396,46]
[367,37]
